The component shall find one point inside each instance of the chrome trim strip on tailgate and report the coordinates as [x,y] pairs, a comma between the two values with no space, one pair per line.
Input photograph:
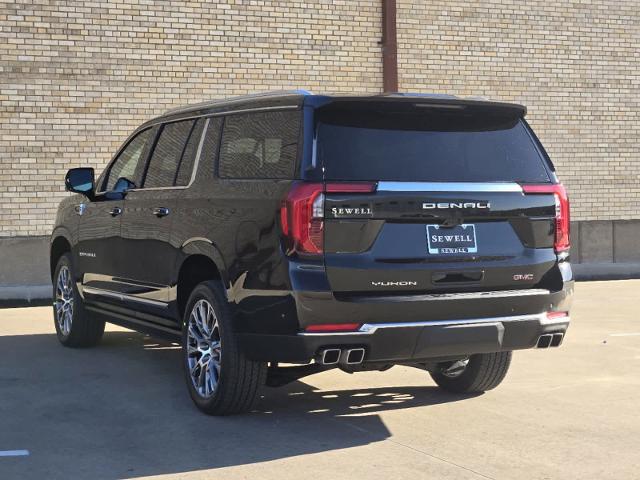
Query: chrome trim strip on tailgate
[449,187]
[453,296]
[370,328]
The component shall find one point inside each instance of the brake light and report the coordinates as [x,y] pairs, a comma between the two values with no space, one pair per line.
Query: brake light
[302,213]
[333,327]
[361,187]
[555,315]
[562,239]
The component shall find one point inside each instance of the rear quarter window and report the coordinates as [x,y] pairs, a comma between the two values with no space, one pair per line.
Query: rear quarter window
[260,145]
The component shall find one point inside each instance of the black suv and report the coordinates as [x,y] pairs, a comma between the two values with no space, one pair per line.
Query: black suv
[320,232]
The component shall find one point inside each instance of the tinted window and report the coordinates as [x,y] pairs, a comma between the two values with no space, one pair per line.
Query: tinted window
[427,149]
[167,154]
[130,161]
[260,145]
[188,158]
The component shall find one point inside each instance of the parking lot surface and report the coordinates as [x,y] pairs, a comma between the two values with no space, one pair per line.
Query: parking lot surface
[121,410]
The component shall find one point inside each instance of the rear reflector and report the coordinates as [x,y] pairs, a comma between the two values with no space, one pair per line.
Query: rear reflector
[562,240]
[554,315]
[333,327]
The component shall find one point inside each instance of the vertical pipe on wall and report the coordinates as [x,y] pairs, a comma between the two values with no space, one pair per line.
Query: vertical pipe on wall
[389,47]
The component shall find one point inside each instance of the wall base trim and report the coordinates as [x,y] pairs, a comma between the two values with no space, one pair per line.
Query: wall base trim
[606,271]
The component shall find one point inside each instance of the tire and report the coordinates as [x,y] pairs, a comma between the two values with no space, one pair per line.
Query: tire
[226,382]
[483,372]
[75,327]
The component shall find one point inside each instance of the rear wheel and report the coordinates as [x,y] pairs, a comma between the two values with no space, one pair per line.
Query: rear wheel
[74,326]
[475,374]
[220,379]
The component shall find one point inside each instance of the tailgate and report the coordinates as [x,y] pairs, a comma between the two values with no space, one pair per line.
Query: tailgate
[434,237]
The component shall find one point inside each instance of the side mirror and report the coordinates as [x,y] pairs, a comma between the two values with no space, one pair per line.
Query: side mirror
[123,184]
[80,180]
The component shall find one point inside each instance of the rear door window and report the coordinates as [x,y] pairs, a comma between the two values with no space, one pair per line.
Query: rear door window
[167,153]
[260,145]
[430,149]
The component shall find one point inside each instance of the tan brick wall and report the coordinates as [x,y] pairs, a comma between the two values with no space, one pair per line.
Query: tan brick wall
[77,77]
[575,64]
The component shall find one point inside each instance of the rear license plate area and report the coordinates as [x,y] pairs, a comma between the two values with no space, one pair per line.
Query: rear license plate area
[451,240]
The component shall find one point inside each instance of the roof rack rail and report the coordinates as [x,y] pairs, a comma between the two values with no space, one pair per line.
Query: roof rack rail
[208,103]
[420,95]
[478,97]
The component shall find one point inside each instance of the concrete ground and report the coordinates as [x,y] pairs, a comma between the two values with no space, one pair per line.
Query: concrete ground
[121,411]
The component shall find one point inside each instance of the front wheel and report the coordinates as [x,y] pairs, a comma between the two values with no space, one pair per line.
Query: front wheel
[475,374]
[75,327]
[220,378]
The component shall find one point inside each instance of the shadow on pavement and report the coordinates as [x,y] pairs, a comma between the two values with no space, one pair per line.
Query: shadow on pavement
[121,410]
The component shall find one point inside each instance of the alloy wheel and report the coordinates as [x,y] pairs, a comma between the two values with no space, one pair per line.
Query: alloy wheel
[64,300]
[204,348]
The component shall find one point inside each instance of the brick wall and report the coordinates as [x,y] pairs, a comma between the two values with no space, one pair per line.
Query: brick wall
[77,77]
[575,64]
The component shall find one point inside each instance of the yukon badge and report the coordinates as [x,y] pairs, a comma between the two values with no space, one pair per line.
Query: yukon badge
[456,205]
[395,284]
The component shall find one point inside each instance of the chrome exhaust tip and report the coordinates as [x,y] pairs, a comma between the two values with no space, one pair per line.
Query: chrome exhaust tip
[329,356]
[544,340]
[353,356]
[557,339]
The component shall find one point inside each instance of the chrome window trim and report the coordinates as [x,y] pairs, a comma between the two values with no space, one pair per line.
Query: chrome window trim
[385,186]
[122,296]
[371,328]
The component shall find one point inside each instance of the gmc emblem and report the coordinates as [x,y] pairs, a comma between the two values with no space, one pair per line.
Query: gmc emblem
[523,276]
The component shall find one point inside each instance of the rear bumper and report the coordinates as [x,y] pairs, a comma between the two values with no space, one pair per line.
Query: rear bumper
[411,328]
[411,341]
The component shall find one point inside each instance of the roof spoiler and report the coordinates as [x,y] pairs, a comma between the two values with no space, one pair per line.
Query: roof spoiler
[420,100]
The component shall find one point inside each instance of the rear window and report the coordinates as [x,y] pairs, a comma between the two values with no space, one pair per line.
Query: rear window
[429,149]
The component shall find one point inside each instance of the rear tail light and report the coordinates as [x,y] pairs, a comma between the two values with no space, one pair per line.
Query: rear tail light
[302,213]
[302,217]
[562,240]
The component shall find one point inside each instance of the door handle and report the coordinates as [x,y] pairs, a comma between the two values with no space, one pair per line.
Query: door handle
[161,211]
[115,211]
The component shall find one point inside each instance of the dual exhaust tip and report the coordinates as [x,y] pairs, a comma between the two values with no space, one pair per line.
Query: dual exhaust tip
[550,340]
[333,356]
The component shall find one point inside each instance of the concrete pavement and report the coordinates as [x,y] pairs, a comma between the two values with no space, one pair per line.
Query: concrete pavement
[121,410]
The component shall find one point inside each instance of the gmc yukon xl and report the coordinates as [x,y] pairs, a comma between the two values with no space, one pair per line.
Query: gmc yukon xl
[283,234]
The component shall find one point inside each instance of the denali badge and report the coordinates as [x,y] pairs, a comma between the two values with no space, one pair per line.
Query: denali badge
[444,205]
[394,284]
